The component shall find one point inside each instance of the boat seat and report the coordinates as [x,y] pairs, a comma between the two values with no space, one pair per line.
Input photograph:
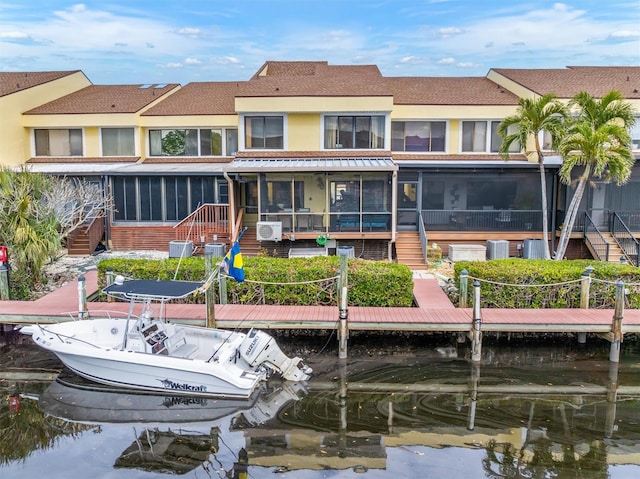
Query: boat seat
[178,347]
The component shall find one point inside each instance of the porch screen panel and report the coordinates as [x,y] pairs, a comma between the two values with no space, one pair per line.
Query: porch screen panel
[150,198]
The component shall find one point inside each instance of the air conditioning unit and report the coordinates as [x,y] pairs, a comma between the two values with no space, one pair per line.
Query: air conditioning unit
[497,249]
[269,230]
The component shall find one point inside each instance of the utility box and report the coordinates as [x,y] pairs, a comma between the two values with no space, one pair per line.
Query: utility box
[215,249]
[497,249]
[348,251]
[533,249]
[179,249]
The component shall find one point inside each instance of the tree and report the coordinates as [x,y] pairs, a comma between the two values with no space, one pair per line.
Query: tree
[598,141]
[532,117]
[37,212]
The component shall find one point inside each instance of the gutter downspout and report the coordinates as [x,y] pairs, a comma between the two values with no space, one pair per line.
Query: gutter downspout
[394,212]
[232,206]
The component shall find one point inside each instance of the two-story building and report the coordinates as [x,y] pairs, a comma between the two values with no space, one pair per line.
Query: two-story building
[304,153]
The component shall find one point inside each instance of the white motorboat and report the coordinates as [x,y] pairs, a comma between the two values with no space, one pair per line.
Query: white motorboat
[146,353]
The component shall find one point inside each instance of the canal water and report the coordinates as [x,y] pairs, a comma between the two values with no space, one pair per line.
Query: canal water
[395,408]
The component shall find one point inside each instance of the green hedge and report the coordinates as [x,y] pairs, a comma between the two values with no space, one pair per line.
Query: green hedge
[371,283]
[525,283]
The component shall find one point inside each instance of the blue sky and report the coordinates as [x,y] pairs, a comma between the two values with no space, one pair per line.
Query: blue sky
[167,41]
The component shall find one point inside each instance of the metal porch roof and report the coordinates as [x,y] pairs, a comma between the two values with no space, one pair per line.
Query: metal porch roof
[254,165]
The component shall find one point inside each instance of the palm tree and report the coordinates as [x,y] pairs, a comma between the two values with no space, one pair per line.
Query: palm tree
[532,117]
[597,140]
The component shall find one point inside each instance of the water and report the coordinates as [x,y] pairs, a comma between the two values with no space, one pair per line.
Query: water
[389,412]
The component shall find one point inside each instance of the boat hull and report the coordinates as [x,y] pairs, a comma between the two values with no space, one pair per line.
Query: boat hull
[223,376]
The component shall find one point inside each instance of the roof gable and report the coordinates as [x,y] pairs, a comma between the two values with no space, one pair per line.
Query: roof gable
[13,82]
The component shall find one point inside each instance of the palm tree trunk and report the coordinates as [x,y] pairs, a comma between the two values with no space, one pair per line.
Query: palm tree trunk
[545,219]
[570,219]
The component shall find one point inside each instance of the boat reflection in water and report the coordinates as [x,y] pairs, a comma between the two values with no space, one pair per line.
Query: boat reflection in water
[521,419]
[173,434]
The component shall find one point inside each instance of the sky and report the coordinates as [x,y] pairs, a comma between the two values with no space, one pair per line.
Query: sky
[182,41]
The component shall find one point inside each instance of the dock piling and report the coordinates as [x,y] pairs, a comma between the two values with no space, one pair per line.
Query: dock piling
[464,285]
[343,332]
[82,298]
[616,327]
[476,333]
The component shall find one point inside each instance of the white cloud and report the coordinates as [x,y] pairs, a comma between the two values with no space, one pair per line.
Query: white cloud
[15,35]
[447,61]
[192,61]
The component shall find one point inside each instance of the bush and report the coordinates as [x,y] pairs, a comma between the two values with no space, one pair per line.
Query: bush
[292,281]
[524,283]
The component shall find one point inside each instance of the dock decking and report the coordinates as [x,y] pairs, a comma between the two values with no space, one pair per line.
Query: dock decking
[434,313]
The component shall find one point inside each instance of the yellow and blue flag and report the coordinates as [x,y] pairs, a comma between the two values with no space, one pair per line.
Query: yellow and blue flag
[233,263]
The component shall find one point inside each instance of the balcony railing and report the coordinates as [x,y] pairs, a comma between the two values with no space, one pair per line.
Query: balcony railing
[205,222]
[482,220]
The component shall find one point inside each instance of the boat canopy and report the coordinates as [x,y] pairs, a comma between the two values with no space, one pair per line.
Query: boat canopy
[161,290]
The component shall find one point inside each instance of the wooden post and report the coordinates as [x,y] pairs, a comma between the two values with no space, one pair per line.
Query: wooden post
[343,332]
[82,298]
[464,284]
[109,278]
[476,334]
[616,328]
[585,287]
[222,284]
[4,282]
[209,295]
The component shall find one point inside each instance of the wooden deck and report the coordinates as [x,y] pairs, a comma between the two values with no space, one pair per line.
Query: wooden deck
[434,313]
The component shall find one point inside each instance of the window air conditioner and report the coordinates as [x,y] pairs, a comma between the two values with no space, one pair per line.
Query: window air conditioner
[269,231]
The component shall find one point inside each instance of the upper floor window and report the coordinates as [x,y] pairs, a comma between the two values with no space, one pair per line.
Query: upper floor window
[418,135]
[482,137]
[58,142]
[193,142]
[365,132]
[118,142]
[264,132]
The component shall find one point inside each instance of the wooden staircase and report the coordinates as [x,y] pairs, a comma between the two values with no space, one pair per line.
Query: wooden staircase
[615,252]
[83,241]
[409,250]
[249,245]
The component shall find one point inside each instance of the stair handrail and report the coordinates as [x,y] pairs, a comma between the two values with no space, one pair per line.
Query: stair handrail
[423,237]
[627,241]
[590,226]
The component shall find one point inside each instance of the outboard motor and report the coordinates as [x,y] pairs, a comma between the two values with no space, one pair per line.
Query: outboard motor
[260,348]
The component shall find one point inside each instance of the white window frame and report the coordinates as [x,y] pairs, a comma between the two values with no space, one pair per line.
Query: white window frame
[33,141]
[242,146]
[224,130]
[136,141]
[387,128]
[447,132]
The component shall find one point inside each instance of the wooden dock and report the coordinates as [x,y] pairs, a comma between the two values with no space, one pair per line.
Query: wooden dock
[434,313]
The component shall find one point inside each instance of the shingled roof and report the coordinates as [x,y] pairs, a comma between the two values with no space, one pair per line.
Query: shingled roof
[13,82]
[199,98]
[105,99]
[565,83]
[287,79]
[448,91]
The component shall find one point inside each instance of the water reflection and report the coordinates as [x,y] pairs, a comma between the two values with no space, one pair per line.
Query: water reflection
[546,418]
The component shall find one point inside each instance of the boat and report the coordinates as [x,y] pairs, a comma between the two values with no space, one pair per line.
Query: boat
[148,353]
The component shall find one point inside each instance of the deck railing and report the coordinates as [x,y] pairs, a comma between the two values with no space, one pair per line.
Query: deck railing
[482,220]
[626,239]
[202,224]
[594,238]
[424,241]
